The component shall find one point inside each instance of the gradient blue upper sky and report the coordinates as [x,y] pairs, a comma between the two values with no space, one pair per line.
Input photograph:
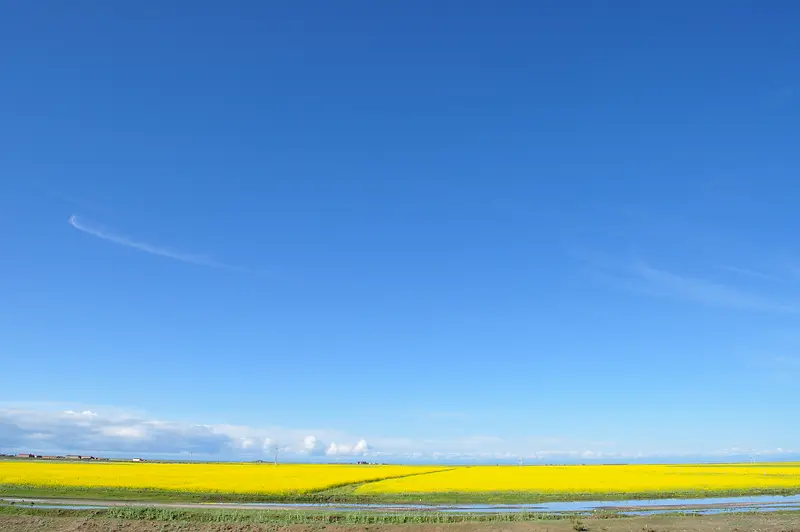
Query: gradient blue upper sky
[550,229]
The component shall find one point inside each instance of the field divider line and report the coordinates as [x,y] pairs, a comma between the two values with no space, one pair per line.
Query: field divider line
[356,484]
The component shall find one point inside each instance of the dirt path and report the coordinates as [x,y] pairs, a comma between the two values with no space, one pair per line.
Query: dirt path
[716,523]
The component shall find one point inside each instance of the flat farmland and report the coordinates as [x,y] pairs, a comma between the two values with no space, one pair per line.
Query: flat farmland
[598,481]
[268,480]
[388,484]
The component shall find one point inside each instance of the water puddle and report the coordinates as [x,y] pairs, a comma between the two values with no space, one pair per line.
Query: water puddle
[59,506]
[706,506]
[638,507]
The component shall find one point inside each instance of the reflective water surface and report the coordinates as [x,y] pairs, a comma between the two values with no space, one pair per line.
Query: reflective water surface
[710,505]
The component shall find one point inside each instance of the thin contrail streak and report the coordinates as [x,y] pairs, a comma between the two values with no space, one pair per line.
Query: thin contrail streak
[153,250]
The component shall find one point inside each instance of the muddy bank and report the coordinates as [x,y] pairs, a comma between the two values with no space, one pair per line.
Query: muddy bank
[661,523]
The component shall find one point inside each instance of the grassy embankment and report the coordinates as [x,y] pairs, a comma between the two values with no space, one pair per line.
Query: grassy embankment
[148,519]
[279,516]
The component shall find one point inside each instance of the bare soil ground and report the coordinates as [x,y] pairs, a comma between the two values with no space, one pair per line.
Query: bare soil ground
[734,523]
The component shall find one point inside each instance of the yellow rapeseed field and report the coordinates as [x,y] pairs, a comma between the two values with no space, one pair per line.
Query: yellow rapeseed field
[599,479]
[269,479]
[223,478]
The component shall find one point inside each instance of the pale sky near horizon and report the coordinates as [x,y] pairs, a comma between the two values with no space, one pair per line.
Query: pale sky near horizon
[432,231]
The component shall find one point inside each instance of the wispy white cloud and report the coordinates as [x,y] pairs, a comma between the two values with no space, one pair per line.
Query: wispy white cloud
[754,274]
[115,238]
[641,277]
[706,291]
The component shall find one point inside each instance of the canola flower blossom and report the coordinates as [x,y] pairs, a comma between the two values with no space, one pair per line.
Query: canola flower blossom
[597,479]
[368,480]
[199,477]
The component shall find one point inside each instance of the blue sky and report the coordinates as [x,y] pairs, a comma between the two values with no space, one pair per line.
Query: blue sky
[453,230]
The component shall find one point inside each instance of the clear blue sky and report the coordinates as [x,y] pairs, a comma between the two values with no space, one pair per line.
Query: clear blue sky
[471,228]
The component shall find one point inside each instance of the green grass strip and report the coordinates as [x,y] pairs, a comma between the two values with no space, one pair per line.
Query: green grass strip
[276,516]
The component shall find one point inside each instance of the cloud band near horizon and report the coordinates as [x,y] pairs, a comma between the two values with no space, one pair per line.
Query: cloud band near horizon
[116,433]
